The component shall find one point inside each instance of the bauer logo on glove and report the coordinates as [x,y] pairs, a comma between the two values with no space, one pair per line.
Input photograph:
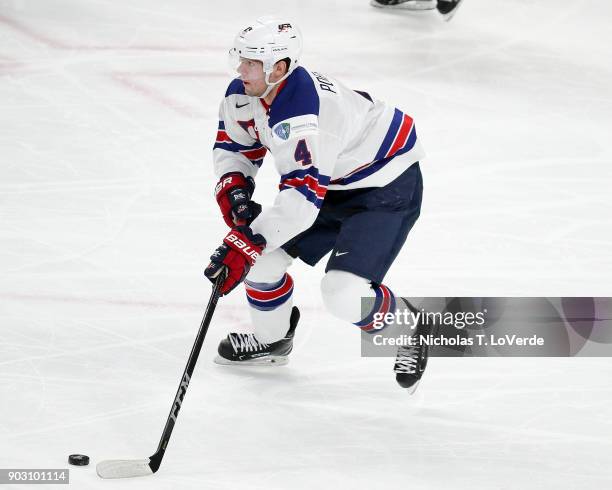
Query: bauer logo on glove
[246,249]
[238,253]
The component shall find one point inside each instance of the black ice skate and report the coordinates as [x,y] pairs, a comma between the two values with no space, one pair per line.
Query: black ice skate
[448,8]
[411,360]
[245,350]
[404,4]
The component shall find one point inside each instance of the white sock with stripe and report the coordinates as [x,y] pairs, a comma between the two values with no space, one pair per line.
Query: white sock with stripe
[270,308]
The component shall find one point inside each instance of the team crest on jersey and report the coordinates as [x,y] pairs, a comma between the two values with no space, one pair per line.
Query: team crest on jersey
[249,127]
[283,130]
[284,27]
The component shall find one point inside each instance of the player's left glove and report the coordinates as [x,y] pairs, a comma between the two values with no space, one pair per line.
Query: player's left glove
[238,253]
[233,193]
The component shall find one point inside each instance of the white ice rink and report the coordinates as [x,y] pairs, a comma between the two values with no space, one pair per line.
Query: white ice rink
[108,111]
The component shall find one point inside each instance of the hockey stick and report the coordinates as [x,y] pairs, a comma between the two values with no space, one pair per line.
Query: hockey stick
[126,468]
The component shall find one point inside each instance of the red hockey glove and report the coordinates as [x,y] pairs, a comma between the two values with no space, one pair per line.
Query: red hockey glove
[233,193]
[238,254]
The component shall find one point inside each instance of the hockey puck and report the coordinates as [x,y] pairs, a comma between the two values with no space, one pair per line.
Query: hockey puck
[78,459]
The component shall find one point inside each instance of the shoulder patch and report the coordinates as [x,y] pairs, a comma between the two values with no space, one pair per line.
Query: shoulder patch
[283,130]
[296,126]
[302,125]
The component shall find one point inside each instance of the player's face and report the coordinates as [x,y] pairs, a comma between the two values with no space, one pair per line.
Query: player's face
[252,76]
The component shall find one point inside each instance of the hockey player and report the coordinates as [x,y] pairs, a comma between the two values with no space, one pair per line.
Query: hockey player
[350,183]
[447,8]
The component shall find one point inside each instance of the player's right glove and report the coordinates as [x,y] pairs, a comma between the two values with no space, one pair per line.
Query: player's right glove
[238,253]
[233,193]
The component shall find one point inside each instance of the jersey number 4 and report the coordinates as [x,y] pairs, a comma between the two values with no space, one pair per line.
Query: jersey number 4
[302,153]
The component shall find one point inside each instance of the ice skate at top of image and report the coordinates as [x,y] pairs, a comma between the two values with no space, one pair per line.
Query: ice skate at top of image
[405,4]
[447,8]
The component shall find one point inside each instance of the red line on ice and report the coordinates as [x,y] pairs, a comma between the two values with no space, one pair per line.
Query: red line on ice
[57,44]
[100,301]
[128,81]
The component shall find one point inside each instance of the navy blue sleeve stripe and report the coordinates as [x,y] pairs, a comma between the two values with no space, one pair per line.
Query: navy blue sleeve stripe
[301,173]
[390,136]
[233,146]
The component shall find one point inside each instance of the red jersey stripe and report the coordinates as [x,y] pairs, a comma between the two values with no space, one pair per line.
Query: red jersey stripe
[223,137]
[402,136]
[309,181]
[254,154]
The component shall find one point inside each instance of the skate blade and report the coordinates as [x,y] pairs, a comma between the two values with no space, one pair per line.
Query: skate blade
[408,6]
[413,388]
[451,14]
[263,361]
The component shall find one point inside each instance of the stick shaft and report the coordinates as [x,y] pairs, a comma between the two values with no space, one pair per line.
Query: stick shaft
[155,460]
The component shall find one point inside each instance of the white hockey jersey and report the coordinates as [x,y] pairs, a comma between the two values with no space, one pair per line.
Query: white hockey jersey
[323,136]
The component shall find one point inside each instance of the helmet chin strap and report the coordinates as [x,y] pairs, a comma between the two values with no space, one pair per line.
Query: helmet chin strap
[271,85]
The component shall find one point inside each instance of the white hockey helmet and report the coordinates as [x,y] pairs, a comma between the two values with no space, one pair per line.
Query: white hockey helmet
[269,40]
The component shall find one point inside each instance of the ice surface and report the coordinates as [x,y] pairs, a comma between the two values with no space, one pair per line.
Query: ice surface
[108,113]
